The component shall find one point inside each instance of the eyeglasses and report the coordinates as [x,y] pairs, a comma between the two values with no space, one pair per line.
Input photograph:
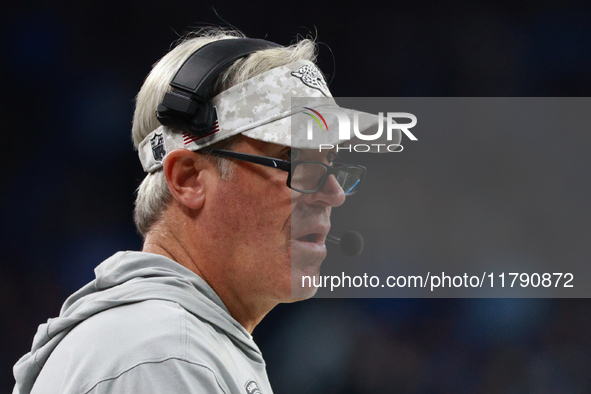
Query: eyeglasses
[306,176]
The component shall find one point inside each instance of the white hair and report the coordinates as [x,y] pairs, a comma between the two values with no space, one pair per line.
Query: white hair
[153,195]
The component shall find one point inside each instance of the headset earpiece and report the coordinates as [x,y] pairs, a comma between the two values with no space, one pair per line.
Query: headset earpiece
[192,114]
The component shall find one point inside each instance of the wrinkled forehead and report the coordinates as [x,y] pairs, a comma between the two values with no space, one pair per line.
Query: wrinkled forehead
[315,154]
[274,150]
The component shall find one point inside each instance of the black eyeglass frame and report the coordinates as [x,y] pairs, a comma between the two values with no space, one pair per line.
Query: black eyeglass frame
[286,166]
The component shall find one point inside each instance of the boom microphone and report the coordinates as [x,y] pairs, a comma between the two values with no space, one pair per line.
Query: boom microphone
[351,243]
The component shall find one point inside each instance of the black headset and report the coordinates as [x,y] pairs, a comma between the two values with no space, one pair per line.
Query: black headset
[188,107]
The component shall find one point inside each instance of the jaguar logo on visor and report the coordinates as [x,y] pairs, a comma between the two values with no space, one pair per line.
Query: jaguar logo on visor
[312,77]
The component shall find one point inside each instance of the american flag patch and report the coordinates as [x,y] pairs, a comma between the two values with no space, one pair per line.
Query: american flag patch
[188,137]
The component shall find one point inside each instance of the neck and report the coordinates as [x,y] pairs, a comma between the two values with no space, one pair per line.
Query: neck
[243,307]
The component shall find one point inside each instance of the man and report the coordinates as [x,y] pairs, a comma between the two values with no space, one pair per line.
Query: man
[232,215]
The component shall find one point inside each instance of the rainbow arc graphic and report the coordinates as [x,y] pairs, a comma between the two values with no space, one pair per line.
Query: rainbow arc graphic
[316,119]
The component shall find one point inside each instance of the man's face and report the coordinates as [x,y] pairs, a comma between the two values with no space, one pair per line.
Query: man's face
[269,235]
[310,224]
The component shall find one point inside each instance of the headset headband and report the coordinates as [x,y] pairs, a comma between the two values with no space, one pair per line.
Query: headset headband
[187,106]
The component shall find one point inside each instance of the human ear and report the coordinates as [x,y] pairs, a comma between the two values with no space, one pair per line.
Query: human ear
[186,174]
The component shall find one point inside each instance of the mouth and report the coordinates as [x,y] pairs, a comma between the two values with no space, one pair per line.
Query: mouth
[308,249]
[312,237]
[308,240]
[315,234]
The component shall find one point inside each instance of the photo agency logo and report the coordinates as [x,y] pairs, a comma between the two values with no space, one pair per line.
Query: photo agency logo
[386,123]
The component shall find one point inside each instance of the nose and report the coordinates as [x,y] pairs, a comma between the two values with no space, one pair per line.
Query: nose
[331,194]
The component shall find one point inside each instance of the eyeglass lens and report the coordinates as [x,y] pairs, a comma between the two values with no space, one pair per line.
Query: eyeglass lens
[349,178]
[308,176]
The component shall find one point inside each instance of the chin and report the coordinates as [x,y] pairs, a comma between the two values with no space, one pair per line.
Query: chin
[302,283]
[305,263]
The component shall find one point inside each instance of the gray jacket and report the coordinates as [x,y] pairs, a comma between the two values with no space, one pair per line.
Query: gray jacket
[146,324]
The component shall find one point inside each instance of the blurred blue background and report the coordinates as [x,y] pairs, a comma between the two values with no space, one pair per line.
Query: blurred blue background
[70,71]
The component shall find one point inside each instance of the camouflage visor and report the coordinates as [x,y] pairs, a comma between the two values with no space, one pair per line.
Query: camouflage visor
[288,105]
